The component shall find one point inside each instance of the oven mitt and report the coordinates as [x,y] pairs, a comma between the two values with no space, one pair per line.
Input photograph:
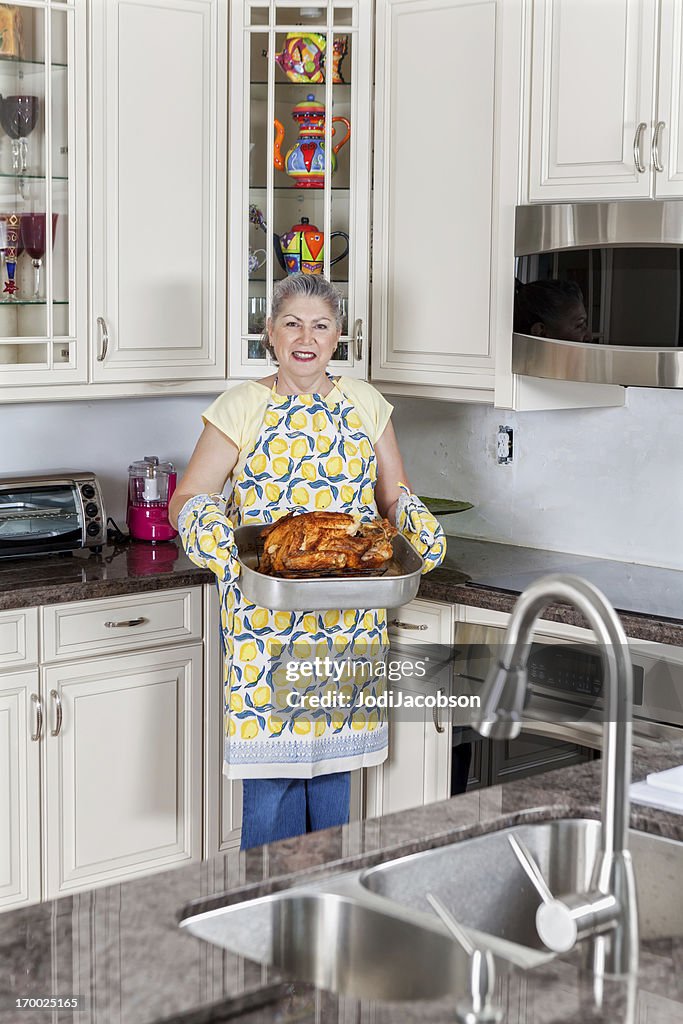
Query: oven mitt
[207,536]
[421,528]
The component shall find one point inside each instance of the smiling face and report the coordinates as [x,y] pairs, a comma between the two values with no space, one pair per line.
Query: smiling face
[304,336]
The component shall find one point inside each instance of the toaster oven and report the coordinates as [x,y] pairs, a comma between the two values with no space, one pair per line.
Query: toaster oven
[51,513]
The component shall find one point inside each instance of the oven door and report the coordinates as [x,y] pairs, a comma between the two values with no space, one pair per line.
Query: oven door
[40,517]
[564,700]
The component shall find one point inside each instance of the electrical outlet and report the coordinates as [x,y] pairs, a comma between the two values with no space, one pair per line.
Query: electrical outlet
[504,445]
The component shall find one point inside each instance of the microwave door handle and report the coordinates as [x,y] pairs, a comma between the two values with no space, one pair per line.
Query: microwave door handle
[659,128]
[637,157]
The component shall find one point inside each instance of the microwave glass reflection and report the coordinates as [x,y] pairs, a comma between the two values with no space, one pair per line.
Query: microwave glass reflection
[626,295]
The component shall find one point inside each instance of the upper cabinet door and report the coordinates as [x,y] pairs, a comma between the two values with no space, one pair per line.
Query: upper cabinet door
[43,196]
[436,196]
[667,149]
[592,99]
[159,99]
[300,161]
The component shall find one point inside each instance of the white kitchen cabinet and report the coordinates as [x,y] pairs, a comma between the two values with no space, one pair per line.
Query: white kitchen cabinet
[100,757]
[445,187]
[606,114]
[418,768]
[122,775]
[19,789]
[43,199]
[158,115]
[266,201]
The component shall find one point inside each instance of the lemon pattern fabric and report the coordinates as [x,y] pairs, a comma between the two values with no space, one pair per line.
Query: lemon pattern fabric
[311,452]
[421,528]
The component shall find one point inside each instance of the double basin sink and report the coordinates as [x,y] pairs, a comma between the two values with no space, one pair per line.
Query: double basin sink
[371,933]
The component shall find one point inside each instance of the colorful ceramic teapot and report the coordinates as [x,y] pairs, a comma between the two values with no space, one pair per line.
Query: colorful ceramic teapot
[302,248]
[305,161]
[302,57]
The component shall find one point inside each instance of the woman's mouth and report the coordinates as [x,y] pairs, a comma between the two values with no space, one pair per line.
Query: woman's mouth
[304,356]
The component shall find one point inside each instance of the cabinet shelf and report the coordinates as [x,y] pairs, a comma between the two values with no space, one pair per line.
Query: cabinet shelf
[18,175]
[300,191]
[7,304]
[28,67]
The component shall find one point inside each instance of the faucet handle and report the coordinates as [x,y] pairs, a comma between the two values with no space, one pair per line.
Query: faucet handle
[562,922]
[479,1010]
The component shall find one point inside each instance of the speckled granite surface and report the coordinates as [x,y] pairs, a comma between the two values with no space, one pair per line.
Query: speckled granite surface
[121,949]
[478,573]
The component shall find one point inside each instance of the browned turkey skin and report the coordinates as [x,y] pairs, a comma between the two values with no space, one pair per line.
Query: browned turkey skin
[320,541]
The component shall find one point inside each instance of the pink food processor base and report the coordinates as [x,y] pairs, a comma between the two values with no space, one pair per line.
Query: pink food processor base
[150,522]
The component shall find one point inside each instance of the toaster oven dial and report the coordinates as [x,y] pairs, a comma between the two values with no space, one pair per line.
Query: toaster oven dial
[93,529]
[91,509]
[88,491]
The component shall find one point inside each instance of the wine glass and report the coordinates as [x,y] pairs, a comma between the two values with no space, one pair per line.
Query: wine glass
[33,238]
[18,116]
[13,249]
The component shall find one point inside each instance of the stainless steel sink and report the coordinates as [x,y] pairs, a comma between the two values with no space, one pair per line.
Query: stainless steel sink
[480,881]
[371,934]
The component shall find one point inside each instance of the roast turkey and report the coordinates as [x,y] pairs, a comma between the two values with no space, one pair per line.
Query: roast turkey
[319,542]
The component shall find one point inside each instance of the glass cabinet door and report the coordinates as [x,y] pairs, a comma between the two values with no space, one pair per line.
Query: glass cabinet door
[38,125]
[300,157]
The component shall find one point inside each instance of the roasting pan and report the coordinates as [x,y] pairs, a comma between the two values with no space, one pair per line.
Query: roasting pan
[394,585]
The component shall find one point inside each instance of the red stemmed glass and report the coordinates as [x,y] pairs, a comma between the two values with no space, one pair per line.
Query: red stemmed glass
[33,238]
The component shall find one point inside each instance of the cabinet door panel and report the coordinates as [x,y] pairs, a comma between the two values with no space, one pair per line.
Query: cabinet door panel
[19,792]
[669,182]
[159,188]
[592,85]
[434,188]
[123,776]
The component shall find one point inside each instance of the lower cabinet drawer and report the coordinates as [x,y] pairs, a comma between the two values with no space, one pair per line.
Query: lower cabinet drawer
[18,638]
[84,628]
[421,622]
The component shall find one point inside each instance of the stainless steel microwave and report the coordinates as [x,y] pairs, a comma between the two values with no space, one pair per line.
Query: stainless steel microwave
[50,513]
[599,292]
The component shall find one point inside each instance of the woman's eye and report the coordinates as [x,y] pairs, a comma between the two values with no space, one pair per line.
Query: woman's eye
[322,327]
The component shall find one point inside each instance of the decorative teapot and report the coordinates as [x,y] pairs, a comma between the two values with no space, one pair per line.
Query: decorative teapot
[305,161]
[302,57]
[301,249]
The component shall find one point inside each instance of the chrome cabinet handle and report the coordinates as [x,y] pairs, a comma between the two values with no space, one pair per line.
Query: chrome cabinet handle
[436,715]
[126,623]
[104,338]
[637,158]
[407,625]
[58,705]
[358,338]
[659,127]
[39,716]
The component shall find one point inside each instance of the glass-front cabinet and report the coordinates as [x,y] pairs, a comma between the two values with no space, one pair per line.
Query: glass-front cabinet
[42,180]
[300,166]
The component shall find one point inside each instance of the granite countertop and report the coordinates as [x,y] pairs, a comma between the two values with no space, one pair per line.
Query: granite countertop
[477,573]
[121,949]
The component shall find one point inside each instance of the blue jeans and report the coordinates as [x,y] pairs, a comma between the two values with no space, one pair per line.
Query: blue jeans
[280,808]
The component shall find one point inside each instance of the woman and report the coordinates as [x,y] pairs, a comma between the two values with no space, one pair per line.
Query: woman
[551,309]
[296,439]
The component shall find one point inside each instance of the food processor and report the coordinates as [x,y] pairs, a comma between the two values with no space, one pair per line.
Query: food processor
[150,487]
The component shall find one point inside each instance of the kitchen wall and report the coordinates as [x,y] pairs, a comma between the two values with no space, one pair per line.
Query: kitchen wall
[605,482]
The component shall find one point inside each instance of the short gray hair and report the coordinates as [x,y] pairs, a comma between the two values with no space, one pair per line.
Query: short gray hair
[309,286]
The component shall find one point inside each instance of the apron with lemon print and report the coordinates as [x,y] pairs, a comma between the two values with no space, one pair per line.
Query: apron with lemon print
[312,454]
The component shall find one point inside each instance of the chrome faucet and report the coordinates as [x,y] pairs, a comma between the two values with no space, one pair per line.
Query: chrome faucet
[607,913]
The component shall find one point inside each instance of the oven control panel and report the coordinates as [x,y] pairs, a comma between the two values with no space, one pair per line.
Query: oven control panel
[571,668]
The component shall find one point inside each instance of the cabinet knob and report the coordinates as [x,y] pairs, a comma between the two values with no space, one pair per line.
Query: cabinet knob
[104,338]
[637,158]
[659,128]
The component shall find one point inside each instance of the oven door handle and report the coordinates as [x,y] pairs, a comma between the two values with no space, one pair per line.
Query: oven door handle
[589,734]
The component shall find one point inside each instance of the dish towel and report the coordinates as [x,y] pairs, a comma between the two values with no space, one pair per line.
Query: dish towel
[663,790]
